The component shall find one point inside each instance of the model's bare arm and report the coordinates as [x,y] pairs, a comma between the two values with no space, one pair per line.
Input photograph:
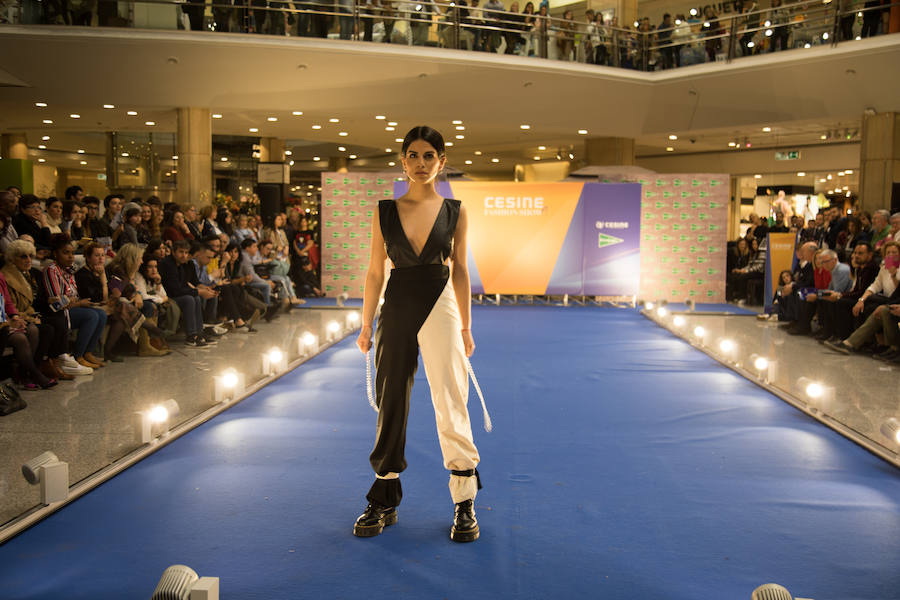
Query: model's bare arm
[374,284]
[461,285]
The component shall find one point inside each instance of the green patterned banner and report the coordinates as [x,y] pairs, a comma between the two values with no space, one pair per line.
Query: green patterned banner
[349,201]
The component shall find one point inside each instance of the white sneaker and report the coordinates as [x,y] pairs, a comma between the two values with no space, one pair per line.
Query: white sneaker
[76,370]
[219,329]
[66,360]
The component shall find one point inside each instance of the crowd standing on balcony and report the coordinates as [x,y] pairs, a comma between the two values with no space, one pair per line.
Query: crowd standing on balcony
[80,290]
[843,289]
[495,26]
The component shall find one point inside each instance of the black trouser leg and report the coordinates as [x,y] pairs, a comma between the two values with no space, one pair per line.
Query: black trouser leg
[842,319]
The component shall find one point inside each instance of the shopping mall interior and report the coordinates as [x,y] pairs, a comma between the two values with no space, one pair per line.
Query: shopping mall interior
[651,422]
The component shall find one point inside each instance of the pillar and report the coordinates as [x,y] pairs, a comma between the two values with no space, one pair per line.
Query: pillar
[609,151]
[626,12]
[14,145]
[15,167]
[338,164]
[879,160]
[271,150]
[194,150]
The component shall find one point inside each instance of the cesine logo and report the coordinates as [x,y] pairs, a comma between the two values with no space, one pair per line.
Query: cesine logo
[604,239]
[519,206]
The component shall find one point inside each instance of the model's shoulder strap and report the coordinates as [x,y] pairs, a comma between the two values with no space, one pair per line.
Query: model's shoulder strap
[387,212]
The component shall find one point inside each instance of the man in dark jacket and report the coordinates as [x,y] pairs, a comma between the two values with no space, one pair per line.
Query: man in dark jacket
[835,311]
[803,278]
[176,278]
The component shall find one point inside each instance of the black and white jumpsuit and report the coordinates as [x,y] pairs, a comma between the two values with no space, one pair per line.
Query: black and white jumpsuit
[420,313]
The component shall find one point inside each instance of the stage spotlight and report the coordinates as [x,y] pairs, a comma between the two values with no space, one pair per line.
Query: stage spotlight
[891,430]
[228,385]
[352,320]
[771,591]
[273,362]
[332,329]
[51,473]
[678,321]
[307,344]
[179,582]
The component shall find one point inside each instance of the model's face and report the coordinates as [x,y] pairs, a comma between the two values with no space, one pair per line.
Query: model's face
[422,162]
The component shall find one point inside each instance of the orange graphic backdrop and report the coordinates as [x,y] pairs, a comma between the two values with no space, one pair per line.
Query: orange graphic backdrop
[516,253]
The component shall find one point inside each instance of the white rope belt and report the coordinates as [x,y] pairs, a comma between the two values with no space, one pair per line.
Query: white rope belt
[488,426]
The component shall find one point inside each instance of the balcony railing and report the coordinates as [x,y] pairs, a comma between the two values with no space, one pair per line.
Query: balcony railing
[682,41]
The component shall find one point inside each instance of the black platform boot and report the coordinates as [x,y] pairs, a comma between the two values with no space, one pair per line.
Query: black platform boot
[465,527]
[373,521]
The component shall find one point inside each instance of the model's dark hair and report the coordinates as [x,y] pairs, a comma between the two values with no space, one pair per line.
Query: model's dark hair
[426,134]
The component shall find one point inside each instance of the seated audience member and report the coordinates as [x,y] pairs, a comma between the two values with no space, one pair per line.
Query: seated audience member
[784,278]
[92,226]
[224,295]
[7,231]
[192,220]
[884,285]
[255,224]
[54,215]
[157,249]
[808,233]
[836,309]
[174,271]
[225,221]
[231,263]
[66,307]
[308,282]
[242,231]
[177,228]
[881,229]
[249,249]
[122,278]
[130,226]
[113,216]
[839,283]
[24,287]
[72,220]
[93,283]
[758,227]
[821,273]
[32,221]
[208,224]
[277,271]
[145,227]
[895,227]
[149,285]
[803,278]
[738,275]
[22,337]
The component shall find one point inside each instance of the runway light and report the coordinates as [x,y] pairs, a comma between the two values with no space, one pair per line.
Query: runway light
[814,390]
[307,344]
[727,346]
[352,320]
[179,581]
[699,331]
[891,430]
[273,362]
[158,414]
[51,473]
[649,305]
[228,385]
[678,321]
[661,312]
[761,363]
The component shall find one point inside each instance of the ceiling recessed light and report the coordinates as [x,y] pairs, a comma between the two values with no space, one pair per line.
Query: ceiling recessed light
[673,137]
[537,158]
[41,104]
[271,119]
[392,123]
[582,132]
[478,153]
[83,162]
[124,155]
[822,180]
[495,160]
[150,123]
[41,160]
[457,122]
[757,176]
[224,159]
[391,164]
[316,158]
[390,129]
[48,121]
[460,127]
[216,116]
[823,137]
[460,136]
[131,113]
[829,177]
[670,149]
[333,120]
[523,126]
[468,162]
[80,151]
[398,140]
[848,171]
[317,127]
[297,113]
[42,147]
[254,130]
[291,163]
[767,129]
[380,117]
[343,133]
[448,144]
[342,149]
[46,138]
[388,150]
[352,156]
[542,147]
[732,144]
[174,157]
[109,106]
[288,153]
[801,174]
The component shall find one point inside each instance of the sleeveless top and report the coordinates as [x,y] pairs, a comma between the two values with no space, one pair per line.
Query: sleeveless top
[438,246]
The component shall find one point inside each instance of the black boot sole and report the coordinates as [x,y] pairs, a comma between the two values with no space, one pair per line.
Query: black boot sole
[373,530]
[467,535]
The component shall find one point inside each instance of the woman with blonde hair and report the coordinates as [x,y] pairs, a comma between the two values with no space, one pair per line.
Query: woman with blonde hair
[122,278]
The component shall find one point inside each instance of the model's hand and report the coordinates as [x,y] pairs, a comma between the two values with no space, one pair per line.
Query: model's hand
[468,342]
[364,341]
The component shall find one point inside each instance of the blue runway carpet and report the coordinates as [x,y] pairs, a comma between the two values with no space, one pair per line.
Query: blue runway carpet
[623,464]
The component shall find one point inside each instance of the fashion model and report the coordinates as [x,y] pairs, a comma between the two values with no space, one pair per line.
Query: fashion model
[427,307]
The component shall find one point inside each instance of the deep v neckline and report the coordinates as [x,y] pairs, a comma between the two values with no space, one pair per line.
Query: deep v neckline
[437,218]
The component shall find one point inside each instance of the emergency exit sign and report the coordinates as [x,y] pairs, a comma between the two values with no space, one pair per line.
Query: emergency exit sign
[787,155]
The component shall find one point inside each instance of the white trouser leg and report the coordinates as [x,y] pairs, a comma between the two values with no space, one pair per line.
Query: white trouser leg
[443,355]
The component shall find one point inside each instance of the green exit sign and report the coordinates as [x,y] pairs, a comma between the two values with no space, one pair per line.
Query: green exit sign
[787,155]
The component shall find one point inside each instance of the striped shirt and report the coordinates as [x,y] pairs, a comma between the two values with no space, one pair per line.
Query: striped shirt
[60,283]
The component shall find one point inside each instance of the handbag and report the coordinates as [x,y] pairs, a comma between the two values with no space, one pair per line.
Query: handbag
[10,400]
